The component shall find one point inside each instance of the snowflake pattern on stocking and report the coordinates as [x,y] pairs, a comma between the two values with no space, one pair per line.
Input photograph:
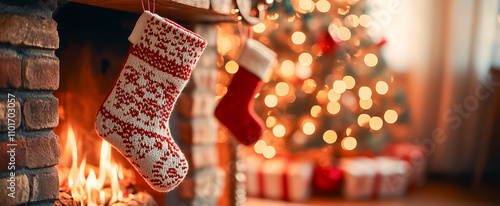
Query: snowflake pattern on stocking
[134,116]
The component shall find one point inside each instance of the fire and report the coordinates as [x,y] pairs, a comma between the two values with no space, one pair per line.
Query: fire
[88,189]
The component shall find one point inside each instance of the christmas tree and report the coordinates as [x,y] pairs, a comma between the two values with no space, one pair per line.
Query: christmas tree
[330,86]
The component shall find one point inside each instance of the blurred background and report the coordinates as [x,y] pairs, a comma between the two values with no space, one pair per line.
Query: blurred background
[388,102]
[373,79]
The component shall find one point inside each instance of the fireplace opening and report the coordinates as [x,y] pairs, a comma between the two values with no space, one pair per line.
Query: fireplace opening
[93,48]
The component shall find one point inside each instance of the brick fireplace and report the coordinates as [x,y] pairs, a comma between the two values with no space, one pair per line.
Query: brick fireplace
[29,73]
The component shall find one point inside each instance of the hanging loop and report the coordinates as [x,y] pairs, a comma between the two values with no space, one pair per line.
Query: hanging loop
[154,6]
[149,6]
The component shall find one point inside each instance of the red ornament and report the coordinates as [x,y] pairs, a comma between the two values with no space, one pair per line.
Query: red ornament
[328,44]
[382,42]
[327,179]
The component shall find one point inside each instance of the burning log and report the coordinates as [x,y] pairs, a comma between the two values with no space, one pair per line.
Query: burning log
[135,199]
[65,199]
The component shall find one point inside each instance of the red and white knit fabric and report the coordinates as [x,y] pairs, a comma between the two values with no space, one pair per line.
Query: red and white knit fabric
[134,116]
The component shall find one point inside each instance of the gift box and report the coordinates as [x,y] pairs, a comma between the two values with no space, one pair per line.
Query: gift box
[279,178]
[415,156]
[393,177]
[379,177]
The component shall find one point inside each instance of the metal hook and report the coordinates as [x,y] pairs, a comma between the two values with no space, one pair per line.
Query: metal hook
[244,11]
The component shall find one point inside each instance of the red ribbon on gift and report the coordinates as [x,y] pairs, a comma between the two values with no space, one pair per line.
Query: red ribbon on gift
[376,184]
[260,183]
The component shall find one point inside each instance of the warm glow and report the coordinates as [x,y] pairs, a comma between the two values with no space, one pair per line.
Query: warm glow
[339,86]
[330,136]
[365,20]
[363,120]
[287,68]
[102,197]
[76,177]
[348,131]
[88,189]
[271,101]
[271,121]
[259,28]
[344,33]
[352,2]
[279,130]
[224,45]
[333,107]
[259,146]
[349,100]
[309,86]
[382,87]
[231,67]
[371,60]
[376,123]
[352,20]
[305,59]
[349,81]
[349,143]
[303,72]
[71,144]
[272,16]
[333,96]
[365,93]
[298,37]
[343,10]
[104,162]
[366,104]
[391,116]
[116,192]
[282,89]
[269,152]
[323,6]
[316,110]
[308,128]
[322,96]
[306,5]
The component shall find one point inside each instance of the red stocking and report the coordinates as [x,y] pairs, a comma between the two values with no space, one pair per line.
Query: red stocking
[235,110]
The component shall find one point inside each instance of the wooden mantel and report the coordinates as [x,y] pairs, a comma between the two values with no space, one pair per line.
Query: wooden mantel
[178,10]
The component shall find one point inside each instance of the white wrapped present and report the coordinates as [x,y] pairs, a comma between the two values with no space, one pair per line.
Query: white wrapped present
[359,177]
[379,177]
[394,177]
[279,178]
[415,156]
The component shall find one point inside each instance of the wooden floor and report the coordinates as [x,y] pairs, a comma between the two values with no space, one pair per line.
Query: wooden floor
[433,193]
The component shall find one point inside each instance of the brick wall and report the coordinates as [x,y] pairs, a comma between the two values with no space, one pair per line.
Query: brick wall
[197,128]
[29,72]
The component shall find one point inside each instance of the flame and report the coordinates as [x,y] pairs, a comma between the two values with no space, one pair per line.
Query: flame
[104,163]
[102,198]
[117,194]
[89,189]
[89,186]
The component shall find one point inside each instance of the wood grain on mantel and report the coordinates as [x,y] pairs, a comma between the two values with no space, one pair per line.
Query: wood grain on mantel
[178,10]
